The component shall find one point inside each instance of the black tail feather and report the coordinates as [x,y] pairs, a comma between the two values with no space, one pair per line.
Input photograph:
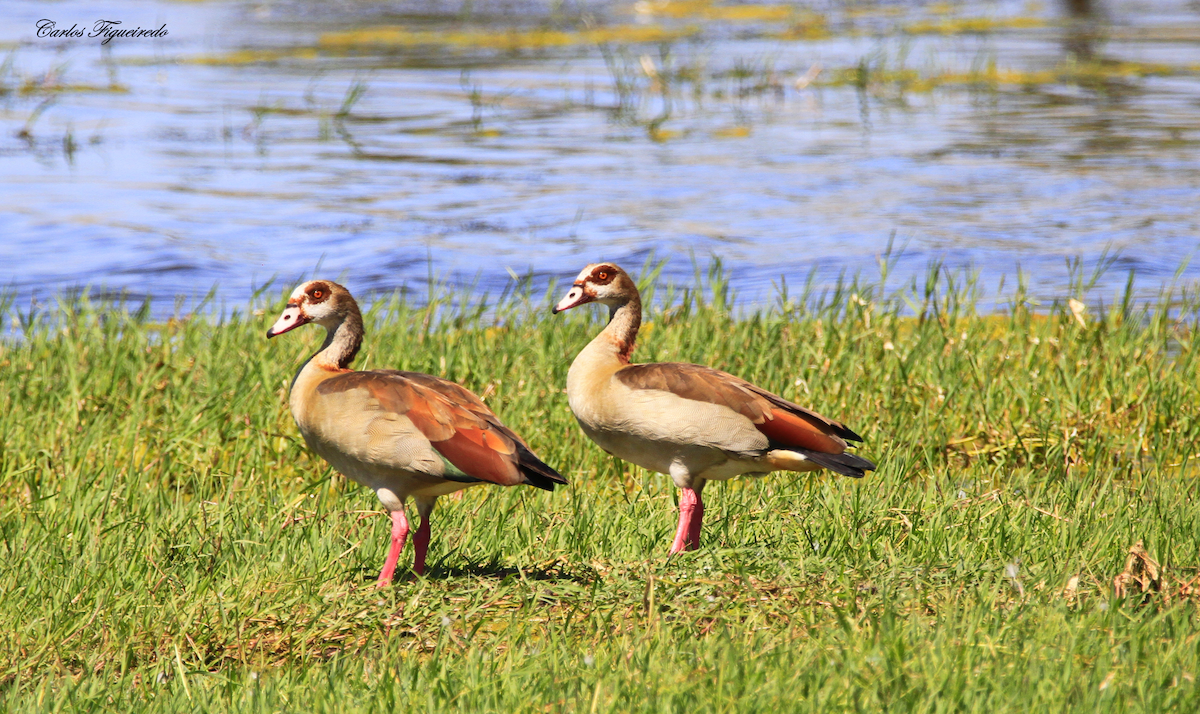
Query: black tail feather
[846,464]
[849,435]
[536,472]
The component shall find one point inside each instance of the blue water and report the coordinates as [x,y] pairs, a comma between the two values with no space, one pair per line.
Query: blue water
[206,171]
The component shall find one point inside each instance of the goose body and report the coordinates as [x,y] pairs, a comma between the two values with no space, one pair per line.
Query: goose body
[401,434]
[692,422]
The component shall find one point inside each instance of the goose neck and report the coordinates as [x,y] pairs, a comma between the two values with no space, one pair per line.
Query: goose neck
[341,345]
[624,319]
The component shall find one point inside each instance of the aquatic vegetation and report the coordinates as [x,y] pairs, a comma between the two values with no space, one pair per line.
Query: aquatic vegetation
[667,78]
[972,25]
[708,10]
[15,81]
[169,542]
[874,72]
[510,39]
[685,84]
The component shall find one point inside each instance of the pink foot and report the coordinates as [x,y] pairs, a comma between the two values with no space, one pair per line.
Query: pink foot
[399,536]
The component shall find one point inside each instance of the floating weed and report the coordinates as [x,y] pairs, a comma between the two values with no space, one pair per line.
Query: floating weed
[874,72]
[510,39]
[972,25]
[237,57]
[708,10]
[732,132]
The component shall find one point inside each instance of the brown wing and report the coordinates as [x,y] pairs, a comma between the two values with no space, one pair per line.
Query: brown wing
[781,421]
[460,395]
[457,423]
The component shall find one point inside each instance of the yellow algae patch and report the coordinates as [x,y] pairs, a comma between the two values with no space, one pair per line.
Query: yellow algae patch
[997,77]
[1106,69]
[875,11]
[706,10]
[941,8]
[660,135]
[732,132]
[1069,72]
[748,13]
[972,25]
[512,39]
[40,88]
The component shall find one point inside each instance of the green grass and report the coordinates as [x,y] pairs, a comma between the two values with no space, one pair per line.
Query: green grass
[168,544]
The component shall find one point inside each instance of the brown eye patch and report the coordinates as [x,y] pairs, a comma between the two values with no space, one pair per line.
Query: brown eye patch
[318,292]
[603,274]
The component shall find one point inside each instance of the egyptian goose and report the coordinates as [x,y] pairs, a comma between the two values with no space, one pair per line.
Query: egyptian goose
[400,433]
[694,423]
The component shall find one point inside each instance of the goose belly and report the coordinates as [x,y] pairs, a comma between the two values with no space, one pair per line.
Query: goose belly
[658,455]
[394,468]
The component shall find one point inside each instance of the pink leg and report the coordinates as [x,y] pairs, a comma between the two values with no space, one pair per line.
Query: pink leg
[693,534]
[421,545]
[689,499]
[399,535]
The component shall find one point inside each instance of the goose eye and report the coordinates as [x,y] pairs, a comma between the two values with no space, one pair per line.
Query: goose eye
[603,275]
[318,294]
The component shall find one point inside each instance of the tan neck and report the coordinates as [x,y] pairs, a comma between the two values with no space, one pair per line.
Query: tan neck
[341,344]
[616,341]
[607,353]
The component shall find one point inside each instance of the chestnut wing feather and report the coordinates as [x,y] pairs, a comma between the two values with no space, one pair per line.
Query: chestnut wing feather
[781,421]
[457,424]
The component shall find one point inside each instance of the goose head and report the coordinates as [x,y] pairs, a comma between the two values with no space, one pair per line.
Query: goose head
[604,283]
[321,301]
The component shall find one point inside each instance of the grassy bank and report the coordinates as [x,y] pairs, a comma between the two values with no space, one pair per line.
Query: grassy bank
[168,544]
